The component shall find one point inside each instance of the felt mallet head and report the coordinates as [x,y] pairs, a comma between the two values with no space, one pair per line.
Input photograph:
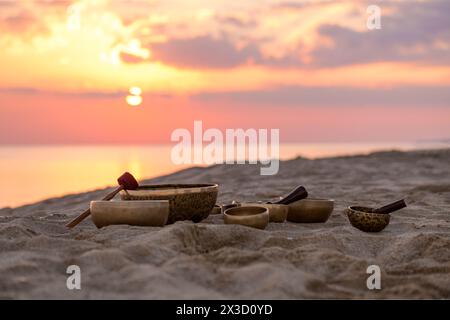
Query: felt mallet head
[127,181]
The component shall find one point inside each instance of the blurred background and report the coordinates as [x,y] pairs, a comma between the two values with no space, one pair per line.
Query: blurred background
[89,89]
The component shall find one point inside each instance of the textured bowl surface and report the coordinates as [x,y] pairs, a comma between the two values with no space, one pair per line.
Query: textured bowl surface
[365,220]
[187,201]
[250,216]
[136,213]
[310,210]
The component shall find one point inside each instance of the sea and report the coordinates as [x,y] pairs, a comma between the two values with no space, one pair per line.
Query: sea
[30,173]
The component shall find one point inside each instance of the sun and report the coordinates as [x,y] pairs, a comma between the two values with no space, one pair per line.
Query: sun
[134,98]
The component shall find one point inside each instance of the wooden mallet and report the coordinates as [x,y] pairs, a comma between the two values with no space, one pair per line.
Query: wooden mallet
[394,206]
[126,182]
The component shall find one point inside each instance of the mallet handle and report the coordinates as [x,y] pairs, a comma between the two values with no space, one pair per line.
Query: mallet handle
[86,213]
[298,193]
[394,206]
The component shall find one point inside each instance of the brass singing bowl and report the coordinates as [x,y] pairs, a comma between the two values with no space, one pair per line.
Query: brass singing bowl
[187,201]
[250,216]
[135,213]
[365,220]
[310,210]
[277,212]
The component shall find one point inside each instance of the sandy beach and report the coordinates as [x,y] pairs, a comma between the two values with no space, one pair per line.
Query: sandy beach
[210,260]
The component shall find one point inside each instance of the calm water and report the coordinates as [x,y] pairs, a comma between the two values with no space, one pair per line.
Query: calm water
[32,173]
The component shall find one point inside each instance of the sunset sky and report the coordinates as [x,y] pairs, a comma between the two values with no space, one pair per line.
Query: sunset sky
[310,68]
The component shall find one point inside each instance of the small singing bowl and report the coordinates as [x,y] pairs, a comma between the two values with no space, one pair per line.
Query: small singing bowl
[277,212]
[216,209]
[250,216]
[364,219]
[310,210]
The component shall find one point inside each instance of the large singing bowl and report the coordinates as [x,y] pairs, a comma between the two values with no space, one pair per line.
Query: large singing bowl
[186,201]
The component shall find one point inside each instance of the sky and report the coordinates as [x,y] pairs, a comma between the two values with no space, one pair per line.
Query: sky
[131,72]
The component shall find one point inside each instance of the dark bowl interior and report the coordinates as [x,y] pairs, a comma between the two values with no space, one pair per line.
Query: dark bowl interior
[175,186]
[245,211]
[362,209]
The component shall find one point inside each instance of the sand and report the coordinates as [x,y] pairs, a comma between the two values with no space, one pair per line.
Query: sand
[210,260]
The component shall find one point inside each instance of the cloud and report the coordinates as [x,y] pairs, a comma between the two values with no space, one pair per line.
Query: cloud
[203,52]
[206,52]
[336,96]
[22,91]
[85,94]
[290,5]
[22,22]
[413,31]
[274,34]
[131,58]
[236,20]
[418,31]
[22,18]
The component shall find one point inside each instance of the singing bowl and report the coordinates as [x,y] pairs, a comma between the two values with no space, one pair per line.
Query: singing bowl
[364,219]
[187,201]
[135,213]
[277,212]
[310,210]
[216,209]
[225,207]
[250,216]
